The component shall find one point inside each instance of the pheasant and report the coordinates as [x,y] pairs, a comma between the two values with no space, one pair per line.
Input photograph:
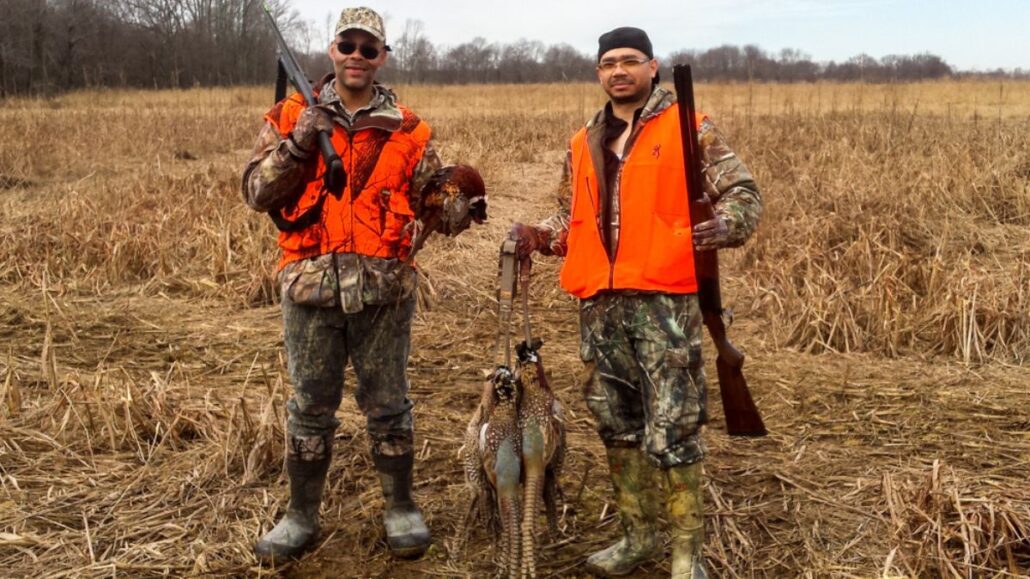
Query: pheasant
[515,443]
[513,455]
[452,198]
[541,423]
[491,456]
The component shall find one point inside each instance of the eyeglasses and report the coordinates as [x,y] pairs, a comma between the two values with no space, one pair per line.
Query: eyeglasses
[347,47]
[630,64]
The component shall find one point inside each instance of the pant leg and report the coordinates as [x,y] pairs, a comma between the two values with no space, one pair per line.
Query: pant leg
[317,351]
[612,386]
[666,336]
[380,340]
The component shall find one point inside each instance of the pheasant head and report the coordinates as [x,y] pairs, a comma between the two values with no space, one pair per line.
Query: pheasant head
[452,198]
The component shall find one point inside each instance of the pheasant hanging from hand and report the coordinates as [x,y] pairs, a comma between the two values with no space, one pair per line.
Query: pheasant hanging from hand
[452,198]
[542,426]
[518,413]
[493,466]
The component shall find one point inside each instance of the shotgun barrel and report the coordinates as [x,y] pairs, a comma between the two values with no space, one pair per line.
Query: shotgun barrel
[335,178]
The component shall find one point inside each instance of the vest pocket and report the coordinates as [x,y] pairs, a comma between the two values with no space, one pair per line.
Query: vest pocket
[310,282]
[387,281]
[396,214]
[670,255]
[300,241]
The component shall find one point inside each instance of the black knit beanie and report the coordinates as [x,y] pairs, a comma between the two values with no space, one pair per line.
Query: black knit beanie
[625,37]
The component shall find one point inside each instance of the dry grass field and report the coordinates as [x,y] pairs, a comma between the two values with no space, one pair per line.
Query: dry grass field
[884,305]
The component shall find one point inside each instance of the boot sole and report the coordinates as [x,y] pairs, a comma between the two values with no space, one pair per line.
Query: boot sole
[410,552]
[598,572]
[273,559]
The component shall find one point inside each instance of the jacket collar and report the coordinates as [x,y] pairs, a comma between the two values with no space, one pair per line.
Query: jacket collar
[656,104]
[659,100]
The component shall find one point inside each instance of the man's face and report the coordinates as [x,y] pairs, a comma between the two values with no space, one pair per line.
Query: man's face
[625,74]
[353,61]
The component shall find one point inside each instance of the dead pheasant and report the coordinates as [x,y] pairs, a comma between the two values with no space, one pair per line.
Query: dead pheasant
[493,468]
[541,423]
[452,198]
[518,413]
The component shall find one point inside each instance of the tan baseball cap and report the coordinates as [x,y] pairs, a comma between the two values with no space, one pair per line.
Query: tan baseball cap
[362,18]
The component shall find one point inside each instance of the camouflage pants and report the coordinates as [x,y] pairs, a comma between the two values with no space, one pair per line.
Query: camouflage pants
[644,381]
[377,340]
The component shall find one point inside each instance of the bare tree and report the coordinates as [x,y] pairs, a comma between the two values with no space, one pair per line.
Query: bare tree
[474,61]
[413,53]
[563,63]
[520,61]
[51,45]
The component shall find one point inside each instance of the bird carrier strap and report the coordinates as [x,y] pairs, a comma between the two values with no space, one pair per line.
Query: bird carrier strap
[524,268]
[506,296]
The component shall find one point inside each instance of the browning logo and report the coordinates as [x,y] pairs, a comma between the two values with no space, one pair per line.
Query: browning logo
[656,151]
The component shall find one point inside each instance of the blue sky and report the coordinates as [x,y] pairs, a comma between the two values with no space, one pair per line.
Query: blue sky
[993,35]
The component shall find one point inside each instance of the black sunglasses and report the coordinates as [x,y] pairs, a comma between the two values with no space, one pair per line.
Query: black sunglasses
[347,47]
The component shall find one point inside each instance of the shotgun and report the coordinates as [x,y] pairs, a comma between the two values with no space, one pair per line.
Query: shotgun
[335,178]
[742,417]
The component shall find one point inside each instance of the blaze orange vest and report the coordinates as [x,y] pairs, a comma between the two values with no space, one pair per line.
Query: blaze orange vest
[369,218]
[655,248]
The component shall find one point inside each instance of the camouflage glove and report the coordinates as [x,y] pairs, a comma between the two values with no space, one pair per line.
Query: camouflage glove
[712,234]
[304,137]
[529,239]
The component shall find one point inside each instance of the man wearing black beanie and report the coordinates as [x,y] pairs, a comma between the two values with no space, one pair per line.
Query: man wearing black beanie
[625,233]
[627,37]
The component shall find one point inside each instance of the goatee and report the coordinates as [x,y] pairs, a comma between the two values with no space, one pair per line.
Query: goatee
[629,99]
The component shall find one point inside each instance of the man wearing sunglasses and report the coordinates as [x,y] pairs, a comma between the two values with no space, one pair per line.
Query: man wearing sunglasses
[347,292]
[624,231]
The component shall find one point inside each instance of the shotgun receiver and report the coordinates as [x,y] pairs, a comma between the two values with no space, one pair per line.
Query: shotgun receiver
[742,417]
[335,178]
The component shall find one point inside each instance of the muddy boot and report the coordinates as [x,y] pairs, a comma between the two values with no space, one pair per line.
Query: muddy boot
[686,521]
[299,528]
[406,532]
[637,497]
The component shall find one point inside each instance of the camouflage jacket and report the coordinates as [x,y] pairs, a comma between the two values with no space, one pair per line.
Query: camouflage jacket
[726,180]
[273,177]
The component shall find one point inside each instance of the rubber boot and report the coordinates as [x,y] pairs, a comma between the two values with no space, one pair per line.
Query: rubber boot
[406,532]
[637,496]
[299,528]
[686,521]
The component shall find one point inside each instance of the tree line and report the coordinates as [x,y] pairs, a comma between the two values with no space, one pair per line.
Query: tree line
[49,46]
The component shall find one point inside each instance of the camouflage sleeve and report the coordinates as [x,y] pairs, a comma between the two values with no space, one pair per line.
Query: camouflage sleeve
[427,165]
[275,174]
[730,185]
[557,225]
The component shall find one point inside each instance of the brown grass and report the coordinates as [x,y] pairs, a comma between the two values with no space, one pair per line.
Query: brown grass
[906,235]
[884,306]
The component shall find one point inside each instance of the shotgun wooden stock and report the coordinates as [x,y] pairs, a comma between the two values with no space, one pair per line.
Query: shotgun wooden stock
[742,417]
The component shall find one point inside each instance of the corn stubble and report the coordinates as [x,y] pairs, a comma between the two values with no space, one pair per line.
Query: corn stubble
[884,305]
